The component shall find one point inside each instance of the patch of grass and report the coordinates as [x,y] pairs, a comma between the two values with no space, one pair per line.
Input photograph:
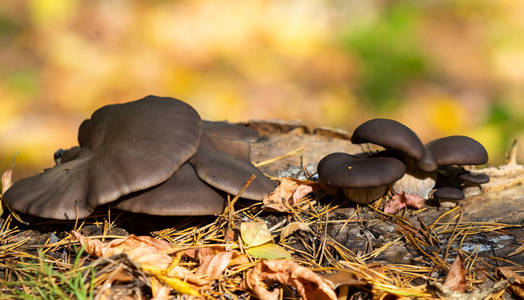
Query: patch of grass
[45,279]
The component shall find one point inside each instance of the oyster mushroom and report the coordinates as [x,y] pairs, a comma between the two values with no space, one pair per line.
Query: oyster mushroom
[136,149]
[363,179]
[114,158]
[404,144]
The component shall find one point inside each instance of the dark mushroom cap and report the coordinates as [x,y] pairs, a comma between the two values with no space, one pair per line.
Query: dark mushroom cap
[457,150]
[448,193]
[348,171]
[475,179]
[391,135]
[183,194]
[229,131]
[229,173]
[124,148]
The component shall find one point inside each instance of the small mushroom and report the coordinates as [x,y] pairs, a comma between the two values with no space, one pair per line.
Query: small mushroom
[448,196]
[183,194]
[404,144]
[123,148]
[457,150]
[228,172]
[363,179]
[471,182]
[394,135]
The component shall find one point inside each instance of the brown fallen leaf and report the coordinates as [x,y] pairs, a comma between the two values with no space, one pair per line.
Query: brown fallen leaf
[309,285]
[215,260]
[292,227]
[344,278]
[401,201]
[517,281]
[456,278]
[288,193]
[139,249]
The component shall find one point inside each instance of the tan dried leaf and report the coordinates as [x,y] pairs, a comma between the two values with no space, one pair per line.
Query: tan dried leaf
[309,285]
[456,278]
[139,249]
[341,278]
[214,261]
[289,192]
[7,180]
[292,227]
[517,283]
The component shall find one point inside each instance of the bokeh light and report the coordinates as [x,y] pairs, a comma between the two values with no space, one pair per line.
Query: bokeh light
[440,67]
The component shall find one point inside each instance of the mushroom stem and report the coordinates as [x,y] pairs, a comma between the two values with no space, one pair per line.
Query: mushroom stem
[365,195]
[415,181]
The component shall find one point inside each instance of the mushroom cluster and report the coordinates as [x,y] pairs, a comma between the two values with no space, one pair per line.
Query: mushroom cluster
[406,165]
[154,155]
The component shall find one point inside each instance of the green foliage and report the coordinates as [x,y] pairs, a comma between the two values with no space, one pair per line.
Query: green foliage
[389,54]
[44,280]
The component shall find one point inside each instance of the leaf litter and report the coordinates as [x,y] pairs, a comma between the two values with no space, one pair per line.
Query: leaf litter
[248,252]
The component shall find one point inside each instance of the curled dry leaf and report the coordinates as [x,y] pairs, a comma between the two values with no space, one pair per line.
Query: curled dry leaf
[292,227]
[456,278]
[289,192]
[401,201]
[308,284]
[517,281]
[7,180]
[215,260]
[139,249]
[344,278]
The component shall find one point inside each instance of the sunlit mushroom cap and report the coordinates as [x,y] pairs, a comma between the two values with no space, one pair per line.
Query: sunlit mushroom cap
[391,135]
[124,148]
[457,150]
[348,171]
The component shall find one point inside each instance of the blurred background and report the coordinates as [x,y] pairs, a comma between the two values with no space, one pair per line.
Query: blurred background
[440,67]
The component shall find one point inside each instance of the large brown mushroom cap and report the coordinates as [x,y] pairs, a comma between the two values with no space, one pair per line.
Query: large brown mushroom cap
[183,194]
[233,139]
[229,173]
[457,150]
[229,131]
[123,148]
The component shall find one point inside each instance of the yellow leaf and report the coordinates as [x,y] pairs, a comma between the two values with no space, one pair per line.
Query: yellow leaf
[255,234]
[174,283]
[268,251]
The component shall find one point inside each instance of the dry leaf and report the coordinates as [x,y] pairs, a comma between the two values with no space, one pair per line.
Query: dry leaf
[255,233]
[139,249]
[289,192]
[7,180]
[174,283]
[456,278]
[215,260]
[292,227]
[268,251]
[159,291]
[517,283]
[341,278]
[309,285]
[401,201]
